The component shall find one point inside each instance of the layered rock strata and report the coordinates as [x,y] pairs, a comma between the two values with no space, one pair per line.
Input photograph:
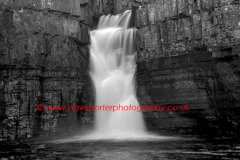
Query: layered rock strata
[44,49]
[188,53]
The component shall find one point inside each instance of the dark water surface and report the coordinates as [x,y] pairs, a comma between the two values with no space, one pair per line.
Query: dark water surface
[188,149]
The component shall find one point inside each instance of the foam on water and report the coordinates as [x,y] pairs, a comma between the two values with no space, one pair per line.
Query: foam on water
[120,136]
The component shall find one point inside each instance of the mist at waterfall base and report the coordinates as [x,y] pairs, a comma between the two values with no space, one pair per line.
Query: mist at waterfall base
[113,63]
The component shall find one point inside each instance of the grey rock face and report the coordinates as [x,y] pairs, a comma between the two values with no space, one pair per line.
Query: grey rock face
[44,49]
[188,54]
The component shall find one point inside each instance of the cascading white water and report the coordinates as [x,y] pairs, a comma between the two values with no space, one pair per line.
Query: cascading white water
[112,70]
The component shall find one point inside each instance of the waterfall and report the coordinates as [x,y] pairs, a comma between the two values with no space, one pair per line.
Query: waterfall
[113,63]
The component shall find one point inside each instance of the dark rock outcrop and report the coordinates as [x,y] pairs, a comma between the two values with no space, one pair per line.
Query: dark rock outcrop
[44,49]
[188,53]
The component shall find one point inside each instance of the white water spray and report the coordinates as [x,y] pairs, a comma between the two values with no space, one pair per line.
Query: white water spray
[112,70]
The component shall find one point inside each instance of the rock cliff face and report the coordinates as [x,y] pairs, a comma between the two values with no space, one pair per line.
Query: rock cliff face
[188,53]
[44,49]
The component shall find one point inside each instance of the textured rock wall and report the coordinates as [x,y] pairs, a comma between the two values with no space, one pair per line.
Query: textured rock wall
[44,59]
[104,7]
[122,5]
[188,53]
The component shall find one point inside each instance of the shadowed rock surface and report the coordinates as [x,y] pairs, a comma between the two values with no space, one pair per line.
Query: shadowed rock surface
[44,49]
[188,53]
